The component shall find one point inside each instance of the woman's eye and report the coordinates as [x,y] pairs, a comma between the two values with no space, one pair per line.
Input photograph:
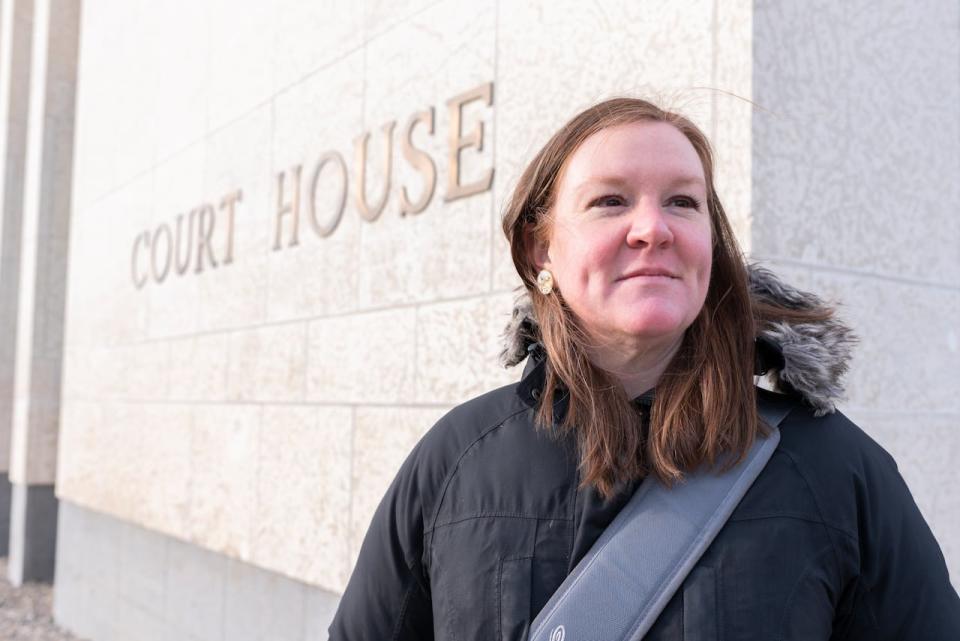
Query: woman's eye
[685,201]
[609,200]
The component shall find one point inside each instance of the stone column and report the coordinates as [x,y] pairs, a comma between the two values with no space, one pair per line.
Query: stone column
[42,289]
[16,30]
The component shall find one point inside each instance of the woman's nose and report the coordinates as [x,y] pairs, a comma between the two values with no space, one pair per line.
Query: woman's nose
[649,226]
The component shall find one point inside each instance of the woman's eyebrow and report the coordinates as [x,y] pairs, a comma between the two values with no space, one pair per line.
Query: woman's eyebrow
[685,181]
[606,181]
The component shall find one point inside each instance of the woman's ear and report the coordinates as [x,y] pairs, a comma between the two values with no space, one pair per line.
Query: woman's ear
[538,250]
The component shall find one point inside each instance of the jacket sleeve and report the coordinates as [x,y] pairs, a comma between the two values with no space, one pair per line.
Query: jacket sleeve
[903,590]
[388,596]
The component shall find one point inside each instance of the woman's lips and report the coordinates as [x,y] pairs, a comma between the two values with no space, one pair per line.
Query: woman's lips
[648,273]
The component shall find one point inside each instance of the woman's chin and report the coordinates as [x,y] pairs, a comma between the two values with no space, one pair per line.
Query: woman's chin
[659,326]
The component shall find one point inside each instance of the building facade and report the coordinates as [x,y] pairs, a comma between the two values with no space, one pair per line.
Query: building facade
[251,252]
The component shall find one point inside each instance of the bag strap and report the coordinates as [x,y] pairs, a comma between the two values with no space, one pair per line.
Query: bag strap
[627,578]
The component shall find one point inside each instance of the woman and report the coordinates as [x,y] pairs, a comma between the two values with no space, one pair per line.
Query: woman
[642,334]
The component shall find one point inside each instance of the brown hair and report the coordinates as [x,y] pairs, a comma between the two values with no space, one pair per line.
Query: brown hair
[705,401]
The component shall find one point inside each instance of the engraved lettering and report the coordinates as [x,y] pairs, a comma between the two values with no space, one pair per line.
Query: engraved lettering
[160,273]
[229,203]
[419,160]
[292,207]
[205,212]
[459,142]
[367,211]
[327,227]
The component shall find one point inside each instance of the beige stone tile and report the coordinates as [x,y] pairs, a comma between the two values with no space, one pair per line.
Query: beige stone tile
[240,65]
[362,358]
[233,294]
[660,51]
[450,351]
[75,466]
[144,369]
[224,450]
[182,89]
[268,363]
[458,347]
[198,367]
[130,460]
[443,251]
[100,281]
[128,74]
[879,193]
[925,447]
[156,458]
[319,115]
[83,430]
[96,115]
[381,15]
[303,494]
[383,437]
[309,36]
[731,125]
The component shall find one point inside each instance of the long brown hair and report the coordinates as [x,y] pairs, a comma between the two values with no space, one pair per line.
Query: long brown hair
[705,401]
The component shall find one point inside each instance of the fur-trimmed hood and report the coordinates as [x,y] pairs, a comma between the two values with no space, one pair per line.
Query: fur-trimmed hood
[809,359]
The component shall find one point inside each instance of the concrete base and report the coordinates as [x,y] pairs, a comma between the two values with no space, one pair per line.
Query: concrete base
[117,581]
[33,533]
[5,491]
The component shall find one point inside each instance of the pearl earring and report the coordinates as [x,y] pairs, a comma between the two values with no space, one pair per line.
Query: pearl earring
[545,282]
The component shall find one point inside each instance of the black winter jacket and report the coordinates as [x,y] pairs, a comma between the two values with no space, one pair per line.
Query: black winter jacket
[484,521]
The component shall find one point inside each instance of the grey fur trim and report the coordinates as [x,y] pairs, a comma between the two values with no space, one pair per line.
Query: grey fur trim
[816,355]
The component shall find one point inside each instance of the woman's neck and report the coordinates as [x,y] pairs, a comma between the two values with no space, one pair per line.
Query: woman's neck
[638,365]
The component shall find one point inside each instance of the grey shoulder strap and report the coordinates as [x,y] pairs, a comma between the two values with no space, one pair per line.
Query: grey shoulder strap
[627,578]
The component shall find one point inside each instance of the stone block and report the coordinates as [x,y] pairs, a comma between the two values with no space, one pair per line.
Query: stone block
[195,607]
[731,123]
[268,363]
[380,16]
[182,92]
[240,67]
[304,488]
[198,367]
[153,481]
[96,114]
[133,623]
[77,465]
[224,442]
[143,560]
[102,293]
[362,357]
[309,37]
[262,606]
[458,348]
[879,191]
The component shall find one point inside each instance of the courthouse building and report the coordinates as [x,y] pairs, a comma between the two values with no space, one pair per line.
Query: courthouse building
[250,252]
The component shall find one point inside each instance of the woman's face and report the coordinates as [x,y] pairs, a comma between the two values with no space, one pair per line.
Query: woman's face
[630,238]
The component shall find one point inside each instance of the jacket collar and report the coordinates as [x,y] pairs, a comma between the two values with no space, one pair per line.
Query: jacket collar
[809,359]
